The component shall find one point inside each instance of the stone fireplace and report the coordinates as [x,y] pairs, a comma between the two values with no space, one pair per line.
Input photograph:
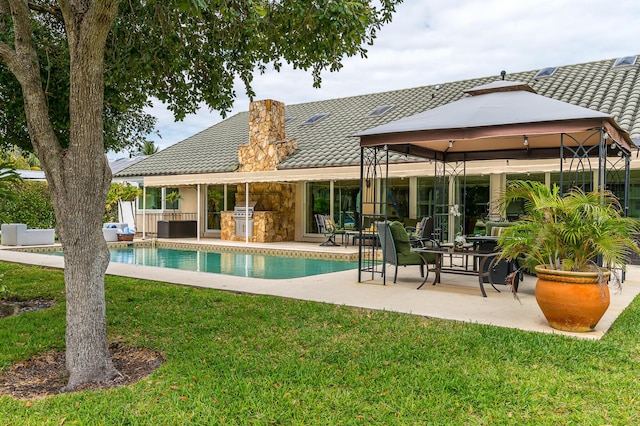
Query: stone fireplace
[274,213]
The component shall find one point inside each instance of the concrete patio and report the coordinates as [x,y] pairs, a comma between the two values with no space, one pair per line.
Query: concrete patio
[456,298]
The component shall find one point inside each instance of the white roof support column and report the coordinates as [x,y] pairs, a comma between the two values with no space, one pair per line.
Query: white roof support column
[246,216]
[198,216]
[144,210]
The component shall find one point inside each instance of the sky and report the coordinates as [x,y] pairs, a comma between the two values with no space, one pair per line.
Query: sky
[439,41]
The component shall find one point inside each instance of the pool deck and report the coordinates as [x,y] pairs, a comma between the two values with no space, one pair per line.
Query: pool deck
[456,298]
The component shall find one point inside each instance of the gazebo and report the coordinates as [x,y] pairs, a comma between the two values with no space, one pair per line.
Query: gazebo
[501,120]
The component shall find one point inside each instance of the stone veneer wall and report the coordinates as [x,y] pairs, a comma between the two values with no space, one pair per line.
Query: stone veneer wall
[265,228]
[274,213]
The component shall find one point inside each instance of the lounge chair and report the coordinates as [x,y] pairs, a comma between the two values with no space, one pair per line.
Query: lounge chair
[396,248]
[326,226]
[110,230]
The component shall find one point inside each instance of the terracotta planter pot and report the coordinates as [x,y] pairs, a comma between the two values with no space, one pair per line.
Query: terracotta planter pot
[572,301]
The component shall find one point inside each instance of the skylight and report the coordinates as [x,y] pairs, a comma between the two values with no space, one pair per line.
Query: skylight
[382,109]
[546,72]
[288,119]
[315,118]
[625,61]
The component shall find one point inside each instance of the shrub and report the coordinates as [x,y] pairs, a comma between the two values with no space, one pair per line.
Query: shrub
[31,205]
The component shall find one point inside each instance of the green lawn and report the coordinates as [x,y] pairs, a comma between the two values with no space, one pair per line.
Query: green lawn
[243,359]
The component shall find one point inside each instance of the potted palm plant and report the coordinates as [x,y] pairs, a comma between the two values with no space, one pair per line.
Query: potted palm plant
[572,242]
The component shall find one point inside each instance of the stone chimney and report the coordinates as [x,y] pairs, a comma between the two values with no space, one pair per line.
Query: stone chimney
[268,145]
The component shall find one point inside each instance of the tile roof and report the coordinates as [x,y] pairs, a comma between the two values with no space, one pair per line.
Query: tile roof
[328,142]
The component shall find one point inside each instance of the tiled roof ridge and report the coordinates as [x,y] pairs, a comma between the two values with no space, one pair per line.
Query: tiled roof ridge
[456,82]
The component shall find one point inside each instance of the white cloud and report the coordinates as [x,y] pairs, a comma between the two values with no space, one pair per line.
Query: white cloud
[438,41]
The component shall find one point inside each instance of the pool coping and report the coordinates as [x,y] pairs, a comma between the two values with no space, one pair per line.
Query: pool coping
[221,248]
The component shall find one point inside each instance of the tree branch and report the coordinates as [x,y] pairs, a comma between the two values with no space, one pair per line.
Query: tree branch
[53,11]
[24,64]
[7,55]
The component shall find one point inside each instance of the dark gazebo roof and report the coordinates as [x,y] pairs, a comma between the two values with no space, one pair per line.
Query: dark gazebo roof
[494,121]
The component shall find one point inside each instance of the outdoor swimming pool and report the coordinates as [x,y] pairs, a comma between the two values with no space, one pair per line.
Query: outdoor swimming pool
[238,264]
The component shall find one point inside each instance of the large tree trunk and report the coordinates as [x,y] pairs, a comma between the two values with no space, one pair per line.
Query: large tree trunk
[78,175]
[79,203]
[80,200]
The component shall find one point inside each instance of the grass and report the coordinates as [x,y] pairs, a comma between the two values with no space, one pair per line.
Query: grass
[243,359]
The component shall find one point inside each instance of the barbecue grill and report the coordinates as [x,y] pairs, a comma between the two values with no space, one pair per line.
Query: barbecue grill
[243,216]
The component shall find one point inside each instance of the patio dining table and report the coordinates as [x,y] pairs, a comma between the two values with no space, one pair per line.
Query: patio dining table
[481,260]
[366,235]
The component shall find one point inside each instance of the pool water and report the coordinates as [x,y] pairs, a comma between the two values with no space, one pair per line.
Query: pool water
[237,264]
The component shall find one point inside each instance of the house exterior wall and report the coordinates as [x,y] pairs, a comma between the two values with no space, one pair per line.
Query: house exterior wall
[188,199]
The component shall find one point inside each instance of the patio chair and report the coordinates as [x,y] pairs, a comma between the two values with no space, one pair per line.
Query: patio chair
[424,232]
[499,269]
[396,248]
[327,227]
[110,230]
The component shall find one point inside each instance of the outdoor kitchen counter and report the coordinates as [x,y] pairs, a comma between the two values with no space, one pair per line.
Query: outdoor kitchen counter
[266,227]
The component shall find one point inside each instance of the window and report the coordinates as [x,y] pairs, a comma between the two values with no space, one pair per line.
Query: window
[288,119]
[425,196]
[634,193]
[171,205]
[317,199]
[625,62]
[397,198]
[476,203]
[346,203]
[578,178]
[316,118]
[546,72]
[381,110]
[153,200]
[217,203]
[156,198]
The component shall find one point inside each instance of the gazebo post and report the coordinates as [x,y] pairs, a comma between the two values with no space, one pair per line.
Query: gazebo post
[372,205]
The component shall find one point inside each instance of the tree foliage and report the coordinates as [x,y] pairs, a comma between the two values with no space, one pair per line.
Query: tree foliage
[20,158]
[76,75]
[30,204]
[186,53]
[8,176]
[126,122]
[117,193]
[147,148]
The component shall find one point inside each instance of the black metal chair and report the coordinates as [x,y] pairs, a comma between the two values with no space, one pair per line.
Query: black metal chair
[499,269]
[326,226]
[424,232]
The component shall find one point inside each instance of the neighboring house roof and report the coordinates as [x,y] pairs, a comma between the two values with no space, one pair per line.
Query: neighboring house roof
[122,163]
[329,142]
